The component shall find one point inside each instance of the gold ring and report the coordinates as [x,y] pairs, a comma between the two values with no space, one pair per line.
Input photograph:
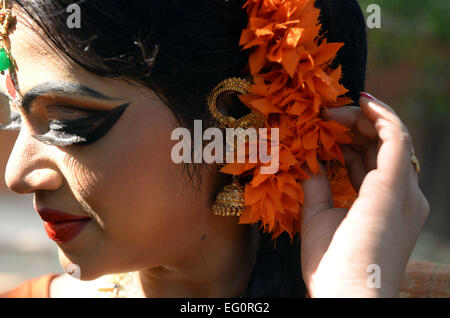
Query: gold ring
[415,161]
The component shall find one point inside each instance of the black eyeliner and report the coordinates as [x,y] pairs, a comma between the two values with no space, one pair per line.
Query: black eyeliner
[14,124]
[81,131]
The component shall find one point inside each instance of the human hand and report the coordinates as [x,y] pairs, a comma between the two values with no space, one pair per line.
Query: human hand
[382,225]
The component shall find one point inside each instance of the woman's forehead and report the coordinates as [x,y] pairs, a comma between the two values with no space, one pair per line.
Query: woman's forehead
[38,62]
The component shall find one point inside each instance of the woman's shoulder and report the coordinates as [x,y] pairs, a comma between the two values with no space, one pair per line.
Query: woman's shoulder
[34,288]
[424,279]
[53,286]
[65,286]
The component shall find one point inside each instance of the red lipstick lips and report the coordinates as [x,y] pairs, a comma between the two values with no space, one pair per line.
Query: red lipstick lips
[62,227]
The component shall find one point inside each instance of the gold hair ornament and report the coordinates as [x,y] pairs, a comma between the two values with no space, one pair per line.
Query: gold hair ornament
[5,20]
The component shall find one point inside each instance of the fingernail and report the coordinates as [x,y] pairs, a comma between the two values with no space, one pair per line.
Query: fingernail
[367,95]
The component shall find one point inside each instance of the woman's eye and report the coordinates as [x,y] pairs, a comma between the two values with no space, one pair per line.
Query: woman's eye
[73,130]
[14,122]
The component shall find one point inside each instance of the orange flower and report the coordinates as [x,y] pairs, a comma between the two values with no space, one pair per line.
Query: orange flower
[293,81]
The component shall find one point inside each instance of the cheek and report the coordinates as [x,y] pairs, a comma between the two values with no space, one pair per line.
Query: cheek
[131,183]
[82,178]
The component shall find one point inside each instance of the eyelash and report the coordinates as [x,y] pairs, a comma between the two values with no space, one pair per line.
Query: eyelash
[52,137]
[80,131]
[15,123]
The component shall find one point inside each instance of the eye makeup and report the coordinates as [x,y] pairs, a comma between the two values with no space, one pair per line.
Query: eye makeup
[68,125]
[82,130]
[14,122]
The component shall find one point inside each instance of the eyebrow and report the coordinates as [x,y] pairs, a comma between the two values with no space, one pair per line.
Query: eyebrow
[59,88]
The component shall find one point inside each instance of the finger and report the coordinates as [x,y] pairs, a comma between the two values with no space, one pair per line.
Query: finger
[370,156]
[413,173]
[366,96]
[394,156]
[352,117]
[363,130]
[319,220]
[317,193]
[356,166]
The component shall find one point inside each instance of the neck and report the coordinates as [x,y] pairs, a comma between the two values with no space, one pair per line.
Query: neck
[219,268]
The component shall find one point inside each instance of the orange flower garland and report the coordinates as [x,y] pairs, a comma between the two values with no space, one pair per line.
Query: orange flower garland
[293,81]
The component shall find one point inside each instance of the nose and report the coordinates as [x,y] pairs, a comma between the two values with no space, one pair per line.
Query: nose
[30,167]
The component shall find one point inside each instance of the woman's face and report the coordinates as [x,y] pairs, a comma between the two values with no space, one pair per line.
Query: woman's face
[143,211]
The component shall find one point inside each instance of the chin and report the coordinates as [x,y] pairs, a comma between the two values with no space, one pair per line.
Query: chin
[80,268]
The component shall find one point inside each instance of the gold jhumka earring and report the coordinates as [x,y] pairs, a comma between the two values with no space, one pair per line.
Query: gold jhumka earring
[230,201]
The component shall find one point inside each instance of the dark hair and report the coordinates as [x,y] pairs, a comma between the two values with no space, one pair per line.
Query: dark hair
[197,46]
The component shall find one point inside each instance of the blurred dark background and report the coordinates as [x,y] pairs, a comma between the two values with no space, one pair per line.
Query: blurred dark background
[409,69]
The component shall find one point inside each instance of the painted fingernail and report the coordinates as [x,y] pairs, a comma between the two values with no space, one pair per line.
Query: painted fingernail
[367,95]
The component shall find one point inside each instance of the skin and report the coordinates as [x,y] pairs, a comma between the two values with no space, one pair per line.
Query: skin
[146,214]
[384,222]
[169,233]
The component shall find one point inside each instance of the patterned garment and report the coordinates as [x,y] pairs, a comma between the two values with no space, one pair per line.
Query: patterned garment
[426,280]
[422,280]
